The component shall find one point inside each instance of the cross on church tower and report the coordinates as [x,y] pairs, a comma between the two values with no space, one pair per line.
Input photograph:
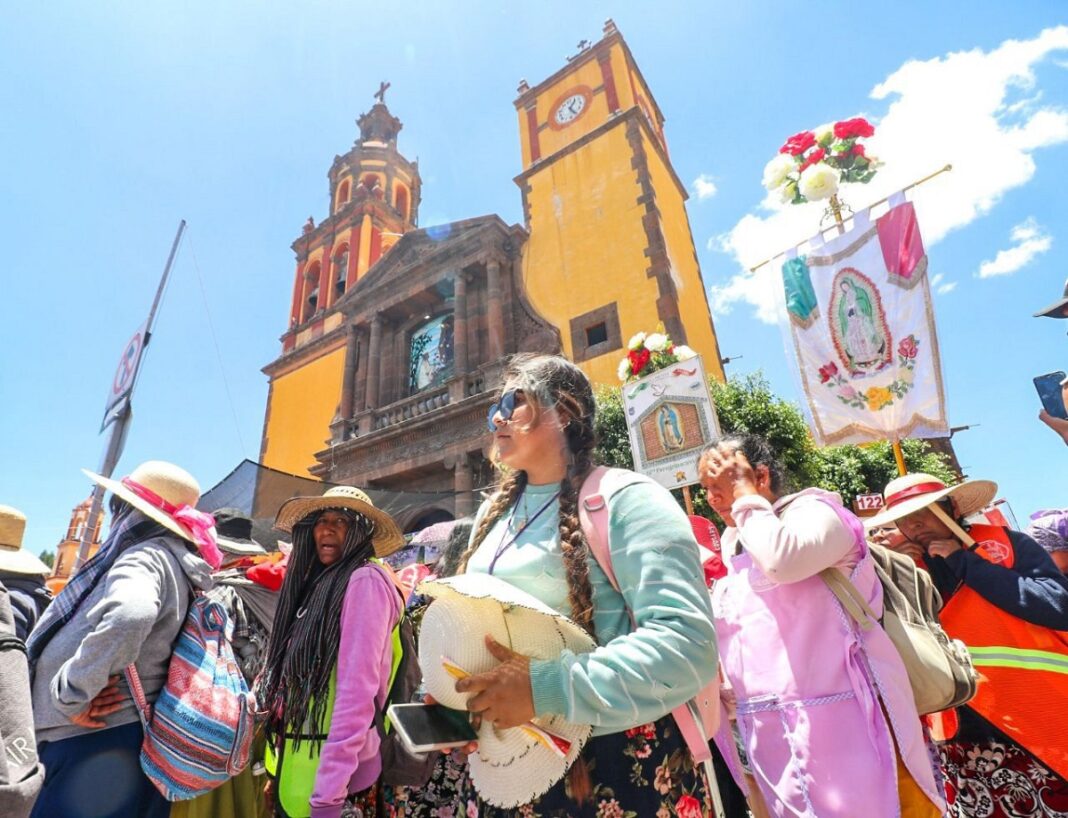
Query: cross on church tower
[380,94]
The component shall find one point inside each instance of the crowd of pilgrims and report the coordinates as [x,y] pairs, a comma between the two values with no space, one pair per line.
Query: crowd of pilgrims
[817,715]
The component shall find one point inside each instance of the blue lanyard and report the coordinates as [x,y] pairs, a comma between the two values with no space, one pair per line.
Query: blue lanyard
[507,543]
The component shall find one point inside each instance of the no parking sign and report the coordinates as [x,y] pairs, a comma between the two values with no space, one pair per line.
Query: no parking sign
[125,373]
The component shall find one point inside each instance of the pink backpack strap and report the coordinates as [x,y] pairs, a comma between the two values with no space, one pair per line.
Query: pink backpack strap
[698,718]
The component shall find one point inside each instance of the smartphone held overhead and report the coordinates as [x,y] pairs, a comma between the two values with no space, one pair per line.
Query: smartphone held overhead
[1052,388]
[427,727]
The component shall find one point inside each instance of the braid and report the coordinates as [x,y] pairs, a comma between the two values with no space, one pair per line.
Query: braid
[505,496]
[573,544]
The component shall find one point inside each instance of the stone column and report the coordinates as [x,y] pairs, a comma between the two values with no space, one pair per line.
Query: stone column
[463,485]
[324,278]
[373,356]
[348,381]
[459,324]
[495,311]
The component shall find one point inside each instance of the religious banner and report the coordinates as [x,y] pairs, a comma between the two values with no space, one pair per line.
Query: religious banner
[125,373]
[670,420]
[862,329]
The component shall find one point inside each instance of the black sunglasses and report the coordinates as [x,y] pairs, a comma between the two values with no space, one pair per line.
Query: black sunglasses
[506,406]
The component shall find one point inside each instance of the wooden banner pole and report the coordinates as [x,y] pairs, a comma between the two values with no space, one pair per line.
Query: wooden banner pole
[689,500]
[899,456]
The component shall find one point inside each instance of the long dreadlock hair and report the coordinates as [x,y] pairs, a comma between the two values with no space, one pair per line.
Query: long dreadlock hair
[307,630]
[550,381]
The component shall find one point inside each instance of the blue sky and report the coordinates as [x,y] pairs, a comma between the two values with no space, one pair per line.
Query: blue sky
[119,119]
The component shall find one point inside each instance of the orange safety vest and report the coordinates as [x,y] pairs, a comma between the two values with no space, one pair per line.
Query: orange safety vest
[1023,668]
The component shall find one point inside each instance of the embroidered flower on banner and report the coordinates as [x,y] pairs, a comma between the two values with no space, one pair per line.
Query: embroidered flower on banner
[875,398]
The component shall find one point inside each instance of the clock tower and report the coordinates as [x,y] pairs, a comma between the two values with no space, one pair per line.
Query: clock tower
[610,251]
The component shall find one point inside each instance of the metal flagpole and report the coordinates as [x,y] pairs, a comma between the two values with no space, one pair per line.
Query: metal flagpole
[120,414]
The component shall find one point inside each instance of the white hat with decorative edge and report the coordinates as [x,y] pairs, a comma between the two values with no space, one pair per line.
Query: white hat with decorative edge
[512,766]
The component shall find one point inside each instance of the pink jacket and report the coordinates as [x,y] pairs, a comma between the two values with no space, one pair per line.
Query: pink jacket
[819,703]
[349,760]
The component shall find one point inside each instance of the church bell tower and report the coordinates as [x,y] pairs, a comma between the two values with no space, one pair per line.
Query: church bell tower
[610,250]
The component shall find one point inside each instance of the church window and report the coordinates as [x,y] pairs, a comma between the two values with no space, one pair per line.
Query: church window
[343,193]
[402,201]
[311,291]
[597,334]
[430,359]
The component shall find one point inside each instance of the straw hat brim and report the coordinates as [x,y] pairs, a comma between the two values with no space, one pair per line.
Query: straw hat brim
[21,561]
[149,510]
[245,547]
[510,768]
[968,497]
[386,539]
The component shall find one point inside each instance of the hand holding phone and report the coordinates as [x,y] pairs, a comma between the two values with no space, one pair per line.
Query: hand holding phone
[427,727]
[1052,389]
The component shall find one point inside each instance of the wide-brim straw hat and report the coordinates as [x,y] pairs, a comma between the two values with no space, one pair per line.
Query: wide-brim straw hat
[14,559]
[387,536]
[510,767]
[909,493]
[171,483]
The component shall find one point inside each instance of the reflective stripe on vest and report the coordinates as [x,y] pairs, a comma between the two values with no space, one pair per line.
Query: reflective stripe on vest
[1002,656]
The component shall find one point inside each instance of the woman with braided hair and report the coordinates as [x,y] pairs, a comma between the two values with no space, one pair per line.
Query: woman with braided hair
[529,534]
[329,659]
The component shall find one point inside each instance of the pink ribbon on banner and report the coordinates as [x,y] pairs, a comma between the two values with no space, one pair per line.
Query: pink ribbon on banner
[201,526]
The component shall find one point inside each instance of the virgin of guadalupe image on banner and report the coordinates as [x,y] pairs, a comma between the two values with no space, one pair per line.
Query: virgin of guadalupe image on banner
[670,420]
[863,331]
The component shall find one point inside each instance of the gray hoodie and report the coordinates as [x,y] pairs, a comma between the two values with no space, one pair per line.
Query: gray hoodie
[132,615]
[20,773]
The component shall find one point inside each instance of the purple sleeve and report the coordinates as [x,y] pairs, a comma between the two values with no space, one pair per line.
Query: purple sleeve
[368,616]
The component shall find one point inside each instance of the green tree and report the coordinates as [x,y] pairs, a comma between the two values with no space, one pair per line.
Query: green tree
[747,404]
[48,558]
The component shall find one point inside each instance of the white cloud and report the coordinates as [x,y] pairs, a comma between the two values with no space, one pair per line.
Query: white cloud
[977,110]
[941,286]
[704,187]
[1030,241]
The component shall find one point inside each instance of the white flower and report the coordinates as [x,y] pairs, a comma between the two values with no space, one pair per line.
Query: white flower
[824,134]
[684,353]
[819,181]
[624,370]
[656,342]
[787,191]
[776,171]
[636,341]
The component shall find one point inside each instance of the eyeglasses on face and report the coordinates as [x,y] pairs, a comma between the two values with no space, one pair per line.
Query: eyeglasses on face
[505,407]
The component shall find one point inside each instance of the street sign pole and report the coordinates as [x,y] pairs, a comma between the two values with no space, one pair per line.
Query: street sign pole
[119,412]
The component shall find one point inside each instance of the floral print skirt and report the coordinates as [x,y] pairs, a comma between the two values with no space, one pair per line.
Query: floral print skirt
[997,778]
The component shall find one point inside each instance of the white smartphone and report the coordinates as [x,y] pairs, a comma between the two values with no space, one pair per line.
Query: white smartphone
[427,727]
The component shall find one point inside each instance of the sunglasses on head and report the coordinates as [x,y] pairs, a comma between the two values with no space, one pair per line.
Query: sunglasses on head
[505,406]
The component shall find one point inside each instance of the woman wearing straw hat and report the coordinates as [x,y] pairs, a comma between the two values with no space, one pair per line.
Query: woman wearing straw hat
[21,573]
[330,656]
[824,709]
[127,604]
[529,535]
[1004,753]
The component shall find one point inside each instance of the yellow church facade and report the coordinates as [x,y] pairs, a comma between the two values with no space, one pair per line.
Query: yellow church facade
[605,251]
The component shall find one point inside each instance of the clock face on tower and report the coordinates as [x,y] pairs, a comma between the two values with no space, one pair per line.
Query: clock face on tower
[569,107]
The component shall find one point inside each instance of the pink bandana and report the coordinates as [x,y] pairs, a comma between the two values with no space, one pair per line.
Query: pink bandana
[201,526]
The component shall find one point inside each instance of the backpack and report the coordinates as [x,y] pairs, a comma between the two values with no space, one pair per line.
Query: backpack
[21,775]
[198,734]
[697,719]
[401,767]
[940,669]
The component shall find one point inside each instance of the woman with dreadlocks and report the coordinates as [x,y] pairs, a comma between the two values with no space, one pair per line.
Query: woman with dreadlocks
[330,655]
[657,642]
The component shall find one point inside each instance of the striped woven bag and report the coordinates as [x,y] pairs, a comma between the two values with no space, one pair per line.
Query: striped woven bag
[199,732]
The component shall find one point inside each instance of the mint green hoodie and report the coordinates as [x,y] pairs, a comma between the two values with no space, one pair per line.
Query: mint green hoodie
[637,676]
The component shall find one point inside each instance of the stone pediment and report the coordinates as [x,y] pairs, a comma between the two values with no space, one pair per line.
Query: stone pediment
[429,250]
